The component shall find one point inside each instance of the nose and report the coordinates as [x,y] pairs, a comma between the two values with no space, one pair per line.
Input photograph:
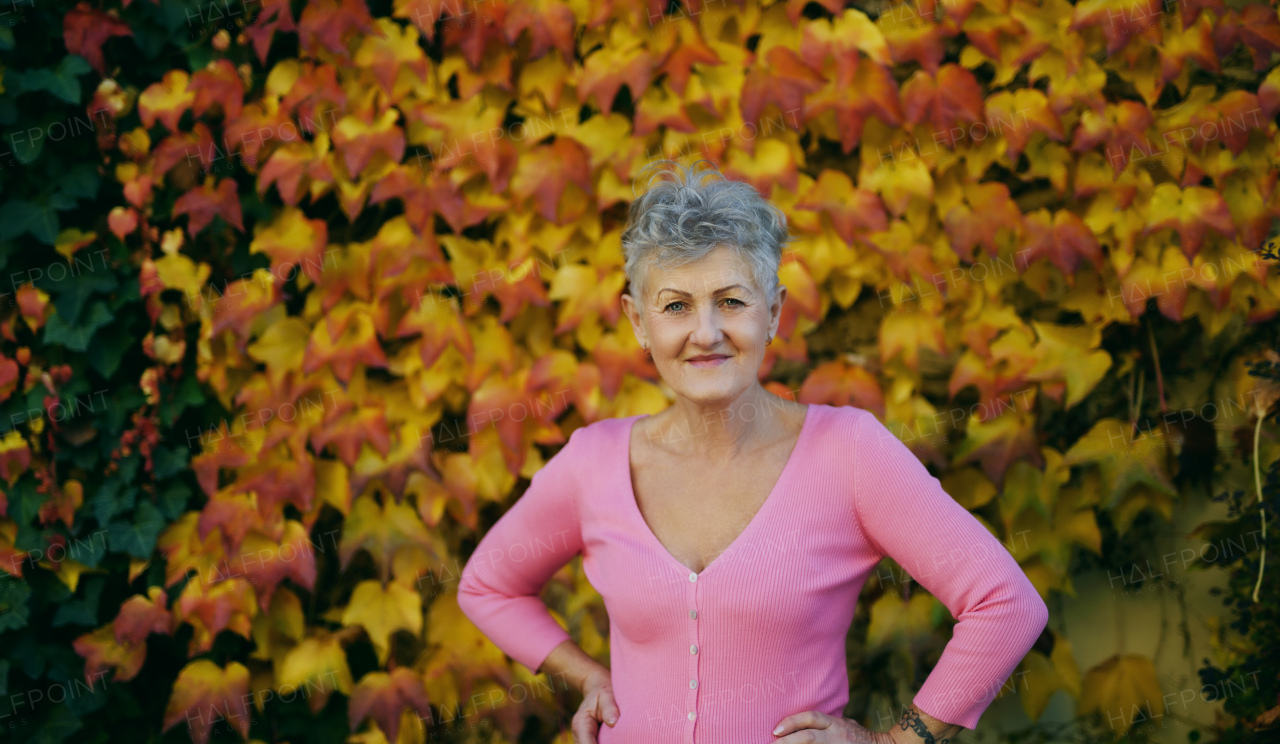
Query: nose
[707,333]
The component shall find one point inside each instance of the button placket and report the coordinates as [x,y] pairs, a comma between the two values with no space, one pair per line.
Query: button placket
[695,653]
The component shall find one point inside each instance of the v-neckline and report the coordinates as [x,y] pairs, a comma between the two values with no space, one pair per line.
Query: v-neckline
[634,505]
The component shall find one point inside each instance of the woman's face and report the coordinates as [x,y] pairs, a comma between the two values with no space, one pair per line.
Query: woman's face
[706,324]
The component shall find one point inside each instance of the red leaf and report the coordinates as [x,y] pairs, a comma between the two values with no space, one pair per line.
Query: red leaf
[218,83]
[326,23]
[783,81]
[203,204]
[382,697]
[86,29]
[140,616]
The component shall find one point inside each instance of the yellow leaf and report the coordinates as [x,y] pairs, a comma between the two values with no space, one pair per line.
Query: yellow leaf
[903,622]
[1123,689]
[969,486]
[71,240]
[383,610]
[317,666]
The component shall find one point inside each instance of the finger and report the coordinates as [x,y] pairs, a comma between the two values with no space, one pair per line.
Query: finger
[608,707]
[584,727]
[804,736]
[810,719]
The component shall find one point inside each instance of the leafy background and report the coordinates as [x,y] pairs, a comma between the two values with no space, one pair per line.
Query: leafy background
[299,295]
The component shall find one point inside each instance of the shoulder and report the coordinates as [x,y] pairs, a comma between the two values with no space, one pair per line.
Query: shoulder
[594,440]
[837,421]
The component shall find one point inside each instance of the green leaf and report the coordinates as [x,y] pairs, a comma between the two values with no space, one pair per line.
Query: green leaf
[169,461]
[173,499]
[82,611]
[139,538]
[58,727]
[80,181]
[108,349]
[63,81]
[70,292]
[4,677]
[14,612]
[6,43]
[111,499]
[88,549]
[77,337]
[20,216]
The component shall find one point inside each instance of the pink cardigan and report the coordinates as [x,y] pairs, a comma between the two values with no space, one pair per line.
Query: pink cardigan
[719,657]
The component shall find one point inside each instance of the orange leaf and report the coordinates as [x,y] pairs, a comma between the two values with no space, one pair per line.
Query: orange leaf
[166,100]
[203,204]
[140,616]
[101,651]
[86,29]
[838,383]
[217,84]
[550,23]
[382,696]
[326,23]
[292,239]
[783,80]
[205,694]
[852,210]
[213,608]
[544,171]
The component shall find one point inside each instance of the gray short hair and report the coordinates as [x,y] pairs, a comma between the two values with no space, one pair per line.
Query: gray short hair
[684,218]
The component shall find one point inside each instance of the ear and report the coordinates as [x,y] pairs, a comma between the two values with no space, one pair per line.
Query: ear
[775,309]
[632,311]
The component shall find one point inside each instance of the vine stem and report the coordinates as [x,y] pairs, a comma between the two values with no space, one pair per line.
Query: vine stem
[1262,512]
[1155,357]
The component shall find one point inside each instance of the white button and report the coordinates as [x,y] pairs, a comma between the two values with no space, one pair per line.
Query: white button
[693,577]
[693,614]
[692,715]
[693,649]
[693,684]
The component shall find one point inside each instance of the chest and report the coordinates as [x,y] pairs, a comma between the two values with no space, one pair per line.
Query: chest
[697,511]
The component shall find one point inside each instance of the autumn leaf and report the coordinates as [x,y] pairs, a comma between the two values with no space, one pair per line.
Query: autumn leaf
[292,240]
[905,622]
[382,611]
[205,694]
[203,204]
[1126,456]
[1124,686]
[317,663]
[382,696]
[166,100]
[101,652]
[140,616]
[383,531]
[86,29]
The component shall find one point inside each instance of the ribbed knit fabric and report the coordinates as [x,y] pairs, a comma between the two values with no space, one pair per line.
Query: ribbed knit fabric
[720,657]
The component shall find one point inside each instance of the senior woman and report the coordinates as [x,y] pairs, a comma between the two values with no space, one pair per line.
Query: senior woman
[730,535]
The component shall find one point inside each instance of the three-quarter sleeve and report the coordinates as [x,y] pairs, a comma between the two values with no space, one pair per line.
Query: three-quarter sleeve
[904,513]
[500,586]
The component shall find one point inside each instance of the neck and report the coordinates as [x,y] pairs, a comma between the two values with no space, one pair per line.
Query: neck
[723,427]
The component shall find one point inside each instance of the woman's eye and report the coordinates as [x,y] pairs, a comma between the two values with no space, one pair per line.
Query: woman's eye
[668,307]
[734,299]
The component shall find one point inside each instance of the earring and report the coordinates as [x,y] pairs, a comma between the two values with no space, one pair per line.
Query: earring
[766,343]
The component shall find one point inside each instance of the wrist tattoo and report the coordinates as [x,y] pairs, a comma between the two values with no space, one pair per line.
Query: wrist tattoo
[911,720]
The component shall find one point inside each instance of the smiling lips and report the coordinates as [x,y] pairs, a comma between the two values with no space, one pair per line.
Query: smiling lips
[707,360]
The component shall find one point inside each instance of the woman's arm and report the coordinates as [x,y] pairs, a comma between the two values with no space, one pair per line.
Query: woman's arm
[502,582]
[903,512]
[568,662]
[917,726]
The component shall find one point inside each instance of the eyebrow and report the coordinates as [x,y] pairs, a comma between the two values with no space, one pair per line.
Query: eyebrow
[686,294]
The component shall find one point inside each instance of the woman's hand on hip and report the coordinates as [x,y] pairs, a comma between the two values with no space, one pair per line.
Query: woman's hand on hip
[598,706]
[815,727]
